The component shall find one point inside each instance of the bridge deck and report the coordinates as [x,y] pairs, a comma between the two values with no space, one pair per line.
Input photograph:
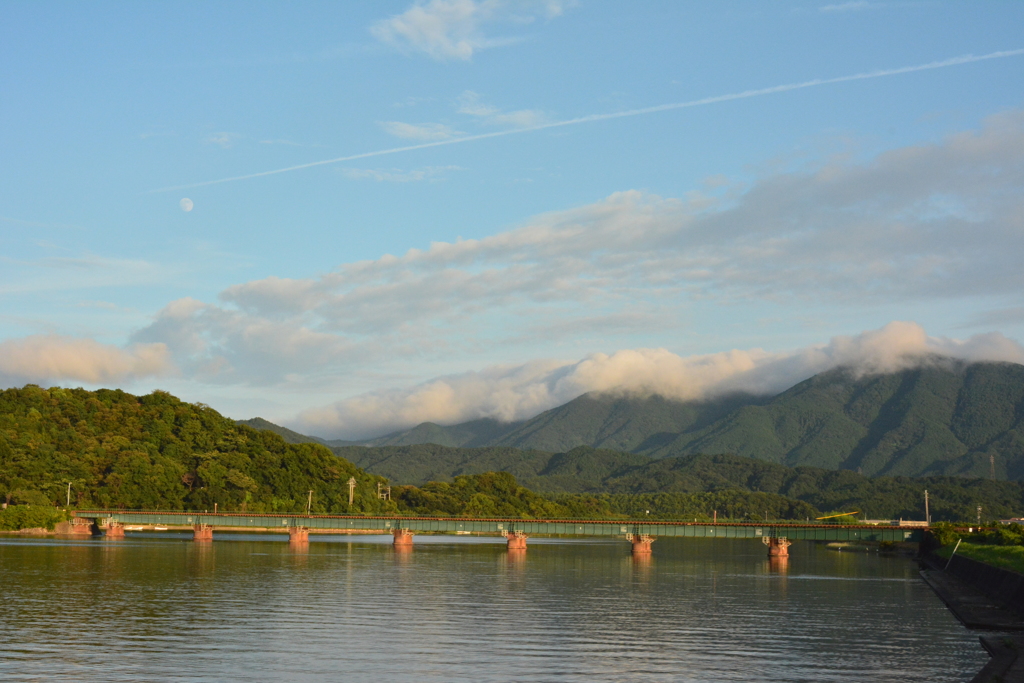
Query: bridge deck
[532,527]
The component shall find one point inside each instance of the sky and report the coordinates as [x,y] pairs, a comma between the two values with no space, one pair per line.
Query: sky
[350,218]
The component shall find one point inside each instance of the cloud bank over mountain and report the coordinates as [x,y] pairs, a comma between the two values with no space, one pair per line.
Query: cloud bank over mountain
[511,393]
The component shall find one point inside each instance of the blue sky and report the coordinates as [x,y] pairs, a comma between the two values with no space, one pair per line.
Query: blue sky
[632,252]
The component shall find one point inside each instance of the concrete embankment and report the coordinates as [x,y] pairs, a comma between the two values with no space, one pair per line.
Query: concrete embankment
[980,595]
[984,597]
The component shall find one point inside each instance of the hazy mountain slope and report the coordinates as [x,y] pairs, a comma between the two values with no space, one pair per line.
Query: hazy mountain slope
[946,417]
[619,423]
[417,464]
[939,419]
[288,435]
[484,432]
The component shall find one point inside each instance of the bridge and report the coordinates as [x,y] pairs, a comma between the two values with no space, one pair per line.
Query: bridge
[776,535]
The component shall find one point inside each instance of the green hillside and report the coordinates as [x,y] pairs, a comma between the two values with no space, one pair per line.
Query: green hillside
[468,435]
[157,452]
[944,418]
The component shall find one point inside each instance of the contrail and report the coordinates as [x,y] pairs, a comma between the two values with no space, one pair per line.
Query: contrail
[955,61]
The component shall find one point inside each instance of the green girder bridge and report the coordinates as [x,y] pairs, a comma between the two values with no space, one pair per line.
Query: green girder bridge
[776,535]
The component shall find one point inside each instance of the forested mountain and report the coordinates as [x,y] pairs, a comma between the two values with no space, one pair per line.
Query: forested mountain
[945,417]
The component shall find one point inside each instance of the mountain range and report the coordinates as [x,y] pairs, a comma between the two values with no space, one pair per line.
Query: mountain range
[942,417]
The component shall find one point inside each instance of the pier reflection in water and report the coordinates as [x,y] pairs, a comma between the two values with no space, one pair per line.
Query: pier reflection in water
[161,607]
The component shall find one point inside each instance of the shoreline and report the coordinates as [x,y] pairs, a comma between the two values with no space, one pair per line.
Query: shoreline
[975,594]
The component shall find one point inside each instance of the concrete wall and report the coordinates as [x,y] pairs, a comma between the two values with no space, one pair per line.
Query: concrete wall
[1001,585]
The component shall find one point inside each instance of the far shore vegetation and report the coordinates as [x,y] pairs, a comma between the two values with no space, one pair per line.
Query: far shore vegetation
[1000,545]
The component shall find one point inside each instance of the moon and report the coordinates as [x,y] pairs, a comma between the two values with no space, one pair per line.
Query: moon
[186,204]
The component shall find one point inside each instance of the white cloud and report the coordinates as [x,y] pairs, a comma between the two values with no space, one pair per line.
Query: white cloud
[937,222]
[510,393]
[43,358]
[469,103]
[223,139]
[288,143]
[397,175]
[422,131]
[455,29]
[854,6]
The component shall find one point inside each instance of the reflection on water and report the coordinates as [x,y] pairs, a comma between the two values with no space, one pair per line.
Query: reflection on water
[249,607]
[778,565]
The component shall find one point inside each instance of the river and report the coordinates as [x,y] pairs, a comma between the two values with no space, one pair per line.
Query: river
[160,607]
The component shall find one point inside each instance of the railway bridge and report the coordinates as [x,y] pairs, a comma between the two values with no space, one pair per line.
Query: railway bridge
[777,536]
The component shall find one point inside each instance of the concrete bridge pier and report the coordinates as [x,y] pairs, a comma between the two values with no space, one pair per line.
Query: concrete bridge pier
[403,538]
[298,535]
[641,543]
[77,526]
[516,540]
[115,529]
[778,546]
[202,532]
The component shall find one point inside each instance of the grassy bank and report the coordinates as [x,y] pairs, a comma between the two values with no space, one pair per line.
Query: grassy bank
[17,517]
[1003,556]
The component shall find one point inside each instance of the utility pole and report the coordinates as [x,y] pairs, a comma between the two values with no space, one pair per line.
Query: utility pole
[991,466]
[927,515]
[69,495]
[979,515]
[351,490]
[309,503]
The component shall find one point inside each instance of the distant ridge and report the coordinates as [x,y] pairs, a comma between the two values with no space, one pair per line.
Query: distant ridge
[946,417]
[288,435]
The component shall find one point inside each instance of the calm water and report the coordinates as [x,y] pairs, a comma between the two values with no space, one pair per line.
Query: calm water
[161,608]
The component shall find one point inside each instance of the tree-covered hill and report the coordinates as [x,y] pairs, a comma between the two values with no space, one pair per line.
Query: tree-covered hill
[942,418]
[157,452]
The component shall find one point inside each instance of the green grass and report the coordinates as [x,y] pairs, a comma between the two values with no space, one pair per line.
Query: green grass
[1003,556]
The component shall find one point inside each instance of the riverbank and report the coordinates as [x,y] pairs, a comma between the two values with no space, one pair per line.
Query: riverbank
[32,531]
[1010,557]
[984,597]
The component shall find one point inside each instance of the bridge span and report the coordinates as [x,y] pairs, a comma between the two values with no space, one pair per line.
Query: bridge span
[640,533]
